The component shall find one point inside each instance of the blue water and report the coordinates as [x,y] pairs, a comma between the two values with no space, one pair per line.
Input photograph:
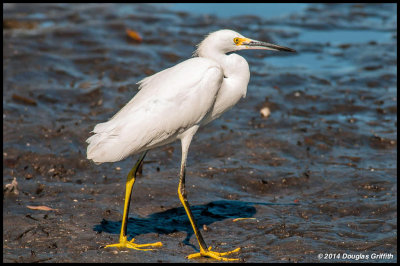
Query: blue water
[344,36]
[224,10]
[304,60]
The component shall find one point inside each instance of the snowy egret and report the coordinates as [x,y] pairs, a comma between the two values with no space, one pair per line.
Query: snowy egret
[172,104]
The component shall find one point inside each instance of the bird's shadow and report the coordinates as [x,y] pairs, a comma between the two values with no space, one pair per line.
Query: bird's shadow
[175,219]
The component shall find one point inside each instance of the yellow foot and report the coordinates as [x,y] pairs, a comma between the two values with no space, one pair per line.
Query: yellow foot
[213,254]
[124,243]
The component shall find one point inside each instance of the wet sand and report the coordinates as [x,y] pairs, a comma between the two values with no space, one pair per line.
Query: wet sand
[319,174]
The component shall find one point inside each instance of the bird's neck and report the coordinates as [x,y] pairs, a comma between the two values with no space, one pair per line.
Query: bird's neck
[231,64]
[212,54]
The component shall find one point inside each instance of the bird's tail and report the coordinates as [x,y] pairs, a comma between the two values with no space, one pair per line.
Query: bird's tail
[94,150]
[104,145]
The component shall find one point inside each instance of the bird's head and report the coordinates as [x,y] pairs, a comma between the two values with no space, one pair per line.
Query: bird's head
[225,41]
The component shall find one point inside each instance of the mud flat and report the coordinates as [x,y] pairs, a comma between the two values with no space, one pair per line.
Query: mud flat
[318,173]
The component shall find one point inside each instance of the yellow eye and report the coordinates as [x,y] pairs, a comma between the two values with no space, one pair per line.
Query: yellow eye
[236,40]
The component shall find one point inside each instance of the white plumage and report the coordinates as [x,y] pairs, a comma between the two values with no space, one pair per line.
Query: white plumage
[158,113]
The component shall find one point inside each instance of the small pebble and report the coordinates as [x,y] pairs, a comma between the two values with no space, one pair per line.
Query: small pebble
[265,112]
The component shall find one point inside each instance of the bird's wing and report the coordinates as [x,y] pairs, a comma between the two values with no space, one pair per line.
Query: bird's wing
[168,103]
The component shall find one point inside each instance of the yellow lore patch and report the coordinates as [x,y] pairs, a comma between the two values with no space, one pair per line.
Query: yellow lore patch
[239,41]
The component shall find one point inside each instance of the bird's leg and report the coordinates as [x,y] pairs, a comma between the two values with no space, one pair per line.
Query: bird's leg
[204,251]
[123,241]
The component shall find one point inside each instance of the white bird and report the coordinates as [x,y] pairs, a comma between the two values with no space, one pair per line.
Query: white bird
[172,104]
